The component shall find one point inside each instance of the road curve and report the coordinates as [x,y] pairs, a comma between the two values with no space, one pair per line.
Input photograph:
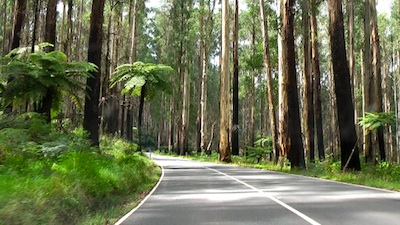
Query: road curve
[192,193]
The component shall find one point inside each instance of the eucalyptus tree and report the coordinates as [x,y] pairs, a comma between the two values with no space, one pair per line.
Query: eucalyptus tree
[308,83]
[376,61]
[235,87]
[317,81]
[224,148]
[348,136]
[144,80]
[267,67]
[91,121]
[291,141]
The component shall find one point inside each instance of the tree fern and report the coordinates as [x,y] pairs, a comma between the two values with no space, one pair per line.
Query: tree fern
[40,75]
[372,121]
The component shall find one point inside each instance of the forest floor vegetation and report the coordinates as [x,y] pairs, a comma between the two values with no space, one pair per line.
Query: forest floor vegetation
[53,177]
[383,175]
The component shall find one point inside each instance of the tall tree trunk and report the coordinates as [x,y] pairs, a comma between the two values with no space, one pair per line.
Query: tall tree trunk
[171,122]
[50,37]
[78,48]
[69,41]
[270,90]
[317,83]
[289,124]
[235,88]
[185,112]
[224,149]
[91,119]
[308,85]
[376,63]
[348,136]
[4,26]
[368,82]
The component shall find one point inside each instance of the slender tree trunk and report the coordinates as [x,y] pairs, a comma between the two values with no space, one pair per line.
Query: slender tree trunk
[368,82]
[185,112]
[235,89]
[317,83]
[308,85]
[4,41]
[270,90]
[78,50]
[171,123]
[348,136]
[91,120]
[50,36]
[376,63]
[224,149]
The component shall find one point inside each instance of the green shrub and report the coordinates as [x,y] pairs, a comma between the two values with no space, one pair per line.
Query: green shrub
[262,147]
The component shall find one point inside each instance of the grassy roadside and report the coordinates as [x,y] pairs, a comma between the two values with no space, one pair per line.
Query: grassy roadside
[53,177]
[384,175]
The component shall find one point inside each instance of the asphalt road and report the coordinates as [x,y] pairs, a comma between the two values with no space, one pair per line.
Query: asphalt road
[192,193]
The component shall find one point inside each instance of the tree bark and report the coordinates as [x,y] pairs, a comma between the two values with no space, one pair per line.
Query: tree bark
[376,64]
[235,88]
[348,136]
[368,82]
[91,119]
[289,124]
[224,149]
[308,85]
[317,83]
[140,117]
[18,23]
[270,90]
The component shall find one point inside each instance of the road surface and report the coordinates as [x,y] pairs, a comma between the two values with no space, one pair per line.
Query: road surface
[192,193]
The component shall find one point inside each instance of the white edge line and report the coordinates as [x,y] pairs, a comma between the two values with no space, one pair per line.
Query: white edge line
[120,221]
[293,210]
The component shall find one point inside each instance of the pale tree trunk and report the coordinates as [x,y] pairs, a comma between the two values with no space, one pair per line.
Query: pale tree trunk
[235,88]
[282,103]
[185,112]
[308,85]
[4,42]
[224,149]
[334,127]
[317,83]
[376,62]
[252,88]
[132,59]
[289,124]
[78,50]
[348,137]
[270,93]
[171,127]
[387,99]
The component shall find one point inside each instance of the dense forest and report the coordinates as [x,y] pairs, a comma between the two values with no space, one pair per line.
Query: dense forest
[306,79]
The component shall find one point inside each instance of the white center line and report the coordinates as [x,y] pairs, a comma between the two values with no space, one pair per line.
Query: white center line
[295,211]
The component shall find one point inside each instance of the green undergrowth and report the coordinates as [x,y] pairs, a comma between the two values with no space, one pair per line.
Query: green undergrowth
[383,175]
[52,177]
